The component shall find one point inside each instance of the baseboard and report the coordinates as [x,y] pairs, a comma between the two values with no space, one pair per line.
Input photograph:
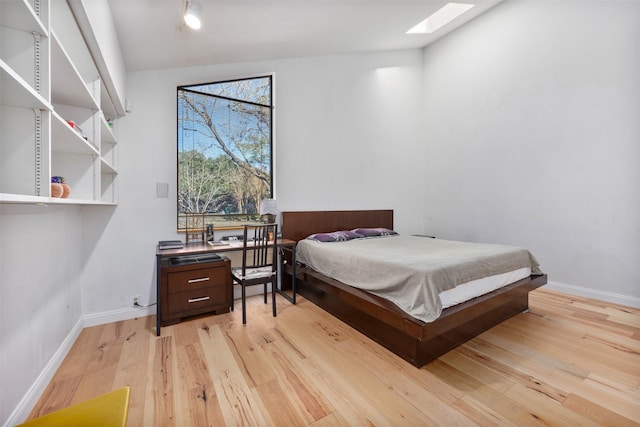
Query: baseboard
[117,315]
[611,297]
[31,397]
[133,312]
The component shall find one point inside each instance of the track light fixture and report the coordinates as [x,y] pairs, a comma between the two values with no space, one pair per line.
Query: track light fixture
[193,14]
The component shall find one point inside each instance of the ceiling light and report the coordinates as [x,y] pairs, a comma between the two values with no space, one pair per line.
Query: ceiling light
[440,18]
[193,15]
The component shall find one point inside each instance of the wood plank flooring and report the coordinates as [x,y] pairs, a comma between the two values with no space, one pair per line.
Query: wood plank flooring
[568,361]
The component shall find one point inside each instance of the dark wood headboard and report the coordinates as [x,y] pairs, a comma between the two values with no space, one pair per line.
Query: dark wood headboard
[296,225]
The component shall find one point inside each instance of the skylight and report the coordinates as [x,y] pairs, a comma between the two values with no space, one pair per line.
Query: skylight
[440,18]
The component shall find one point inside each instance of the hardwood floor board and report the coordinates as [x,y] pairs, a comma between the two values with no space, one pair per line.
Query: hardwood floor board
[236,400]
[331,420]
[628,387]
[256,333]
[277,404]
[94,383]
[287,344]
[132,367]
[307,368]
[627,348]
[521,415]
[431,384]
[57,395]
[350,406]
[434,410]
[436,407]
[162,402]
[548,408]
[109,348]
[404,387]
[309,401]
[186,333]
[199,402]
[332,330]
[521,370]
[619,401]
[573,344]
[425,395]
[624,315]
[81,354]
[355,375]
[592,353]
[546,299]
[606,308]
[551,356]
[103,365]
[240,406]
[597,412]
[569,384]
[606,323]
[480,414]
[539,302]
[252,358]
[480,367]
[338,391]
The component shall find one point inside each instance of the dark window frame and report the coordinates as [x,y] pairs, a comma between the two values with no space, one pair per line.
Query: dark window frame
[225,220]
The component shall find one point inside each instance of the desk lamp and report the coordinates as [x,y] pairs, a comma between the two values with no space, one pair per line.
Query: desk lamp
[269,210]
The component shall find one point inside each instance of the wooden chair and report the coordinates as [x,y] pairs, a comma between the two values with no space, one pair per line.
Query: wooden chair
[259,263]
[107,410]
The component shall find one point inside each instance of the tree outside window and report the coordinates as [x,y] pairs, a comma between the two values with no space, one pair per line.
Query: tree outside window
[225,150]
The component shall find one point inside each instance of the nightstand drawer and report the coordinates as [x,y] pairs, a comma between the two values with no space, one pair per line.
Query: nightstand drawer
[197,300]
[197,279]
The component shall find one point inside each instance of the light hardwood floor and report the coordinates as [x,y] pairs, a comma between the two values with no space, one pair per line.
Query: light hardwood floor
[568,361]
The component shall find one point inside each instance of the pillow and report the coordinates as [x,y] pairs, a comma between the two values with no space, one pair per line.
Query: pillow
[336,236]
[374,232]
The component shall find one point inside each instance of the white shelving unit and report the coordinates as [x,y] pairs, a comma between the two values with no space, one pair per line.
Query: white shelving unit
[56,117]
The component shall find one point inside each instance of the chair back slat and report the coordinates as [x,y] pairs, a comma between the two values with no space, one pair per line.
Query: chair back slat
[258,248]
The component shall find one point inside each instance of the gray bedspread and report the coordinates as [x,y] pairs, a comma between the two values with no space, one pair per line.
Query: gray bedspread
[411,271]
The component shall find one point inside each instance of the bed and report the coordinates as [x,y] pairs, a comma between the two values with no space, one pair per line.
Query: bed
[416,341]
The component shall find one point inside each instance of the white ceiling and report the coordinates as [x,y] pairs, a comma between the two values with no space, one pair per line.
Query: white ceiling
[152,35]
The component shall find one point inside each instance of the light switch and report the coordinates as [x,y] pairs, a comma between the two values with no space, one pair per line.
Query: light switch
[162,189]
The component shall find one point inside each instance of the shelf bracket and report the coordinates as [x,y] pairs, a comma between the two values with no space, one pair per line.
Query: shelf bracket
[37,75]
[94,170]
[95,132]
[38,151]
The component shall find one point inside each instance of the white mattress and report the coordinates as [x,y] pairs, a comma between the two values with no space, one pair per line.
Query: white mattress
[475,288]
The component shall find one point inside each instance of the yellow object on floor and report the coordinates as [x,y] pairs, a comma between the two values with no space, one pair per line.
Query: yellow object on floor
[107,410]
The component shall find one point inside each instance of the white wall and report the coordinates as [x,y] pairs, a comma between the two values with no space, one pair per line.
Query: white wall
[347,137]
[533,129]
[41,263]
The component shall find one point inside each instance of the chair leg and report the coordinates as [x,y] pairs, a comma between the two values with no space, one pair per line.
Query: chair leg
[264,292]
[233,302]
[273,299]
[244,306]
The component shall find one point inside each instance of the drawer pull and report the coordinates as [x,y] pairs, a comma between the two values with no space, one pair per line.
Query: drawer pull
[198,299]
[203,279]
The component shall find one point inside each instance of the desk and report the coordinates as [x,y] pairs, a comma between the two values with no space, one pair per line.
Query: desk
[202,249]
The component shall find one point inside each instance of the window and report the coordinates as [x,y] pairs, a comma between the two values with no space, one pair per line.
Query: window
[225,150]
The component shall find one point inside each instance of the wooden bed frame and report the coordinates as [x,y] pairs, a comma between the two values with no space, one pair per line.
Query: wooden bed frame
[413,340]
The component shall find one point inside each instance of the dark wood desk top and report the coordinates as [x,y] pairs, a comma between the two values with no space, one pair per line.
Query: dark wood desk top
[198,248]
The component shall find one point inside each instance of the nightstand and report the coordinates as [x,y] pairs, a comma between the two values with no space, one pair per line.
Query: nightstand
[192,285]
